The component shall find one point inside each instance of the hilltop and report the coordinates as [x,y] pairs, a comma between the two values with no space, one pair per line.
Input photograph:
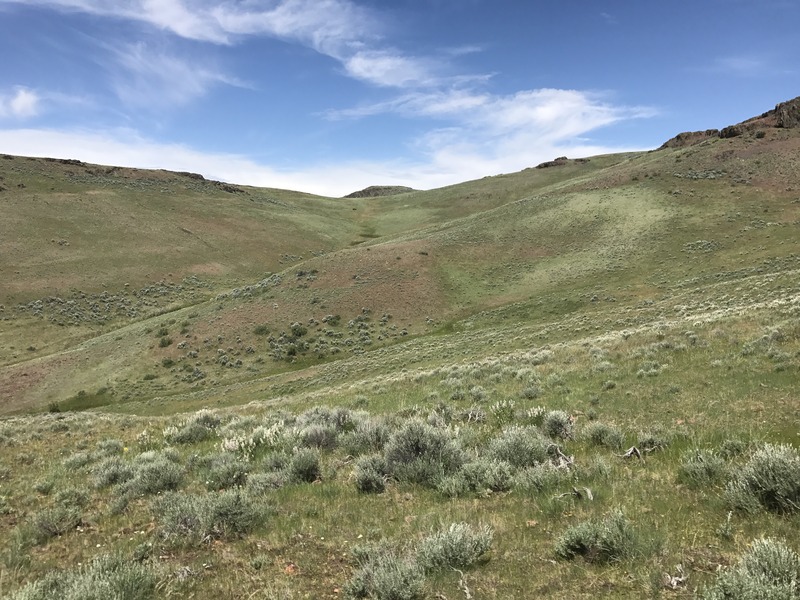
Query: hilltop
[375,191]
[375,370]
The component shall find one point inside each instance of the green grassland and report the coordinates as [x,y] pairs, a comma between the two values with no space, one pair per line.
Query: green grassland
[252,393]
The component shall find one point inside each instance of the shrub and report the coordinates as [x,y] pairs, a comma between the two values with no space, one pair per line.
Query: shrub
[654,439]
[197,428]
[531,392]
[164,342]
[155,476]
[370,474]
[72,496]
[44,486]
[458,546]
[769,480]
[479,476]
[384,576]
[193,518]
[602,434]
[477,393]
[304,465]
[519,446]
[733,448]
[223,471]
[768,570]
[340,418]
[111,471]
[503,411]
[109,447]
[540,477]
[52,522]
[369,435]
[558,424]
[608,540]
[78,460]
[320,435]
[701,468]
[104,577]
[262,483]
[419,453]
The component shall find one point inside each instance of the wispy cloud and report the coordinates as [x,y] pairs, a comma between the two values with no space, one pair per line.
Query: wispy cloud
[739,65]
[191,22]
[489,134]
[748,65]
[609,18]
[340,29]
[387,68]
[22,103]
[549,113]
[145,77]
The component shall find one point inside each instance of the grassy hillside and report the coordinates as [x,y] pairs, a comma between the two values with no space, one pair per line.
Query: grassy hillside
[570,381]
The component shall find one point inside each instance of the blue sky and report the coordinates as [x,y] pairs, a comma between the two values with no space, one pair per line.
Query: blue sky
[329,96]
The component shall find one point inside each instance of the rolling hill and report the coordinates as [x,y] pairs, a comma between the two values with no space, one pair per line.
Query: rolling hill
[654,293]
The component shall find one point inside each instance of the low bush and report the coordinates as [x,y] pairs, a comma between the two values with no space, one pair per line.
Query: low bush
[72,496]
[111,471]
[769,480]
[194,518]
[109,447]
[155,476]
[478,477]
[602,434]
[384,576]
[263,483]
[369,435]
[223,470]
[599,541]
[320,435]
[459,546]
[304,465]
[519,447]
[53,522]
[419,453]
[540,477]
[768,570]
[701,468]
[104,577]
[654,439]
[558,424]
[200,426]
[370,474]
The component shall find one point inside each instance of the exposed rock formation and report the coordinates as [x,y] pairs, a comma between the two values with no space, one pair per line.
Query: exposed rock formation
[785,115]
[561,160]
[375,191]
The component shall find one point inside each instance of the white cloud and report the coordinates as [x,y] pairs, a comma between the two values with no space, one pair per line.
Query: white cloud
[387,68]
[155,79]
[23,103]
[552,114]
[332,27]
[748,65]
[190,21]
[340,29]
[490,135]
[739,65]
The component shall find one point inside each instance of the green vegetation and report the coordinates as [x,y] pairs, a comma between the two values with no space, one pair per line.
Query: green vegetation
[558,383]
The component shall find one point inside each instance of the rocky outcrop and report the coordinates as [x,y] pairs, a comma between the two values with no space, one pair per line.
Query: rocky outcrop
[785,115]
[560,161]
[374,191]
[689,138]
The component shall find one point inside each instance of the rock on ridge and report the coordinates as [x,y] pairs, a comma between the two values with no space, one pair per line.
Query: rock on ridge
[375,191]
[785,115]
